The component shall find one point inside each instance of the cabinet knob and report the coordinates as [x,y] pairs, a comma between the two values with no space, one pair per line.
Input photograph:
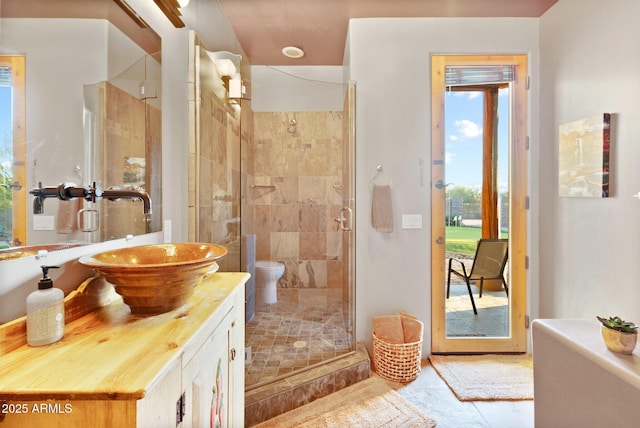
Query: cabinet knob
[233,354]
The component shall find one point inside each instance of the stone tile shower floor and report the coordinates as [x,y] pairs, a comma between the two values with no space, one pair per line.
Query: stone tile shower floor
[283,342]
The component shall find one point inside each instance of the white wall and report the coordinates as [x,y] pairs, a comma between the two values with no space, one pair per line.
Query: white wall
[589,248]
[390,63]
[297,88]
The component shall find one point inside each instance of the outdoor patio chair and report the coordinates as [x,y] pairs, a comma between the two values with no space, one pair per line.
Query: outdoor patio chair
[488,263]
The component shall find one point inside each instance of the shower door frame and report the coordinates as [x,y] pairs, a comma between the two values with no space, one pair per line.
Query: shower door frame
[348,202]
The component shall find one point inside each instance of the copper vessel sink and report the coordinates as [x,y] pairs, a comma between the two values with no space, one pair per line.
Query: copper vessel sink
[154,279]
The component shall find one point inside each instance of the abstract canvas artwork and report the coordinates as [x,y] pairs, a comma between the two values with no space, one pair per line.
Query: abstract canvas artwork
[583,157]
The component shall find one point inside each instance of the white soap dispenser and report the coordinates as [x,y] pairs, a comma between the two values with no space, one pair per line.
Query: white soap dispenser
[45,312]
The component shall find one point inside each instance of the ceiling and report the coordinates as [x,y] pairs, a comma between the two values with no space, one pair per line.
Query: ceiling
[319,27]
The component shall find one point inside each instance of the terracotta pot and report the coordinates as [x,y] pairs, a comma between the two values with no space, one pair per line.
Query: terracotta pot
[619,341]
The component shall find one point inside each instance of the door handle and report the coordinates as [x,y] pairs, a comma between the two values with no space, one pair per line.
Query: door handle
[345,222]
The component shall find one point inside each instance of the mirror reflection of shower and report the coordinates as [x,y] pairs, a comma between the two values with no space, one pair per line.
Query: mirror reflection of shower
[122,127]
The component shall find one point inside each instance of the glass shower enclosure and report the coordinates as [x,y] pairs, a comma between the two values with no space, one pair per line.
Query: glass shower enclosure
[278,186]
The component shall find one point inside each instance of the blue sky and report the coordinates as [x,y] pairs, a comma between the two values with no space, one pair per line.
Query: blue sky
[463,139]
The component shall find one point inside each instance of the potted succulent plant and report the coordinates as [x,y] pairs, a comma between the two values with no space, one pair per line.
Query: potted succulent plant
[619,335]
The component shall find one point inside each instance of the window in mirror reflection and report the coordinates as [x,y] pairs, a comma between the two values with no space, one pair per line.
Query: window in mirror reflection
[12,152]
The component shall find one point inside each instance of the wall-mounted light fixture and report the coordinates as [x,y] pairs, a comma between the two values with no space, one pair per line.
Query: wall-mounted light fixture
[228,65]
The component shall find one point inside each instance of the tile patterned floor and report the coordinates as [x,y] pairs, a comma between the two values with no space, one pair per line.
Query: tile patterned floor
[283,342]
[493,314]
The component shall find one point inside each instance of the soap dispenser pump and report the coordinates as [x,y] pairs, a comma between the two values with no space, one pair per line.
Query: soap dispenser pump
[45,312]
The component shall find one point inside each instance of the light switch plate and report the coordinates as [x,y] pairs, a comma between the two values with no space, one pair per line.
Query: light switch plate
[43,222]
[412,221]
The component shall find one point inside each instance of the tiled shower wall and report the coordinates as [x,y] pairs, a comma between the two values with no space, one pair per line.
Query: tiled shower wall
[133,131]
[297,194]
[218,189]
[214,172]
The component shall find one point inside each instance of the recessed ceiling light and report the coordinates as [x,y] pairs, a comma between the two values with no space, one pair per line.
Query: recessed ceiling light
[292,52]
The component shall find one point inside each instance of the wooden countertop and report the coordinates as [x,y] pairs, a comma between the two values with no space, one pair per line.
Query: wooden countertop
[112,354]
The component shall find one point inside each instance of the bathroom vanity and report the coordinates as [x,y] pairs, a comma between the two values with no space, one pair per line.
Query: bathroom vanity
[182,368]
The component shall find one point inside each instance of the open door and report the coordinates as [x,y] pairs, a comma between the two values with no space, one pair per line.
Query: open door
[485,75]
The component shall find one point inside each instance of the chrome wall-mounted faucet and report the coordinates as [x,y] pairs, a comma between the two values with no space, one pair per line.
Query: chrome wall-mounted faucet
[93,193]
[115,194]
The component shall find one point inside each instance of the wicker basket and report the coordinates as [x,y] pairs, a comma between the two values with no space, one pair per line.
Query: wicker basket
[397,362]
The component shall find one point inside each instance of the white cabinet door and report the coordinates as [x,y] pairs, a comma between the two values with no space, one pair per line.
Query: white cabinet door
[206,381]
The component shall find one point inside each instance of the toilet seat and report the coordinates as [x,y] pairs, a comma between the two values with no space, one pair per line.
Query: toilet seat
[265,264]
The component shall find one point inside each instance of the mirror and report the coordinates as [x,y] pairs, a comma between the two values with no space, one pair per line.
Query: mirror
[91,112]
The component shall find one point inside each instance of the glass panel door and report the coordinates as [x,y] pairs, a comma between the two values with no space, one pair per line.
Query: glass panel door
[448,336]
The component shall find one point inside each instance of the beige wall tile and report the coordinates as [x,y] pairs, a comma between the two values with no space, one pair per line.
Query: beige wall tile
[313,218]
[313,274]
[335,276]
[334,245]
[284,218]
[312,246]
[286,191]
[314,158]
[312,190]
[295,220]
[284,246]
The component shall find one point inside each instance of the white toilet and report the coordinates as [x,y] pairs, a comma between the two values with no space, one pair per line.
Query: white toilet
[267,276]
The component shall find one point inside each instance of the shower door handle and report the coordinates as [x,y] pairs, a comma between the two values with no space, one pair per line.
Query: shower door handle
[345,222]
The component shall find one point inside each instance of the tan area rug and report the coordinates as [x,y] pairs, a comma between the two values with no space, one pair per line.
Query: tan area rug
[368,404]
[486,377]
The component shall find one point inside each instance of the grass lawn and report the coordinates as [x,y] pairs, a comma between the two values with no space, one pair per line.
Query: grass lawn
[464,239]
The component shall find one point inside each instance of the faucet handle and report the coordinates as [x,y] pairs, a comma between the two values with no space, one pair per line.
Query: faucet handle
[96,192]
